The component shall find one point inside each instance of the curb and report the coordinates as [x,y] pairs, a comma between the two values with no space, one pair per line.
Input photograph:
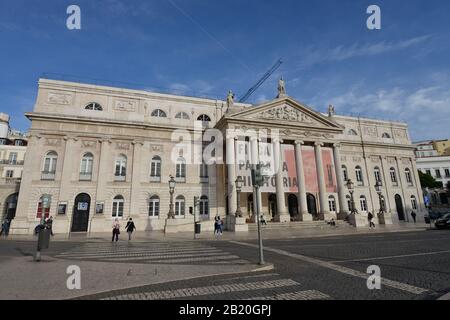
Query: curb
[267,267]
[445,297]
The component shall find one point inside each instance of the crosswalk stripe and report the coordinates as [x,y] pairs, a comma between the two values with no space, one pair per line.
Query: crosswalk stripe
[132,252]
[209,290]
[159,256]
[194,259]
[298,295]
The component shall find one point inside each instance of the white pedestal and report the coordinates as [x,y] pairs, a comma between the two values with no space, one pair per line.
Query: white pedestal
[237,224]
[307,217]
[283,218]
[357,220]
[180,225]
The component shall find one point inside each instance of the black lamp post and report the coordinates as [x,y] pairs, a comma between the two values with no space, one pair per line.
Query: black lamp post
[239,184]
[171,190]
[351,189]
[378,189]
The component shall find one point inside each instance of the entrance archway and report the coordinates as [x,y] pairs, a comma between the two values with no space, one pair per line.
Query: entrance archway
[293,206]
[10,206]
[312,208]
[399,206]
[273,205]
[80,219]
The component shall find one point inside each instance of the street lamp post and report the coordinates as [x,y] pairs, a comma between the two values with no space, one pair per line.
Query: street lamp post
[42,240]
[239,184]
[351,189]
[172,183]
[378,189]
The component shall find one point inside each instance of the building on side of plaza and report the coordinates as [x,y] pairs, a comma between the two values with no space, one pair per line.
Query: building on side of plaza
[13,145]
[103,153]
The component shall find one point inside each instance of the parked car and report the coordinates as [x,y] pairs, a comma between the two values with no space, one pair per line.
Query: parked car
[434,216]
[443,222]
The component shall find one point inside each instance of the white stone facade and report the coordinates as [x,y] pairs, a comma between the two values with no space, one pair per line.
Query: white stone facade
[79,154]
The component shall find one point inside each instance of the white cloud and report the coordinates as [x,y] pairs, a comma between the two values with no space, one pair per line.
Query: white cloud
[313,55]
[426,110]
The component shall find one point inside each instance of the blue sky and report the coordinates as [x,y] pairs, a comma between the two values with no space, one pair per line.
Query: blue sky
[206,47]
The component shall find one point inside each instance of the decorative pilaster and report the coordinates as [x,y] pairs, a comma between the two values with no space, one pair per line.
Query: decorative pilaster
[231,173]
[343,212]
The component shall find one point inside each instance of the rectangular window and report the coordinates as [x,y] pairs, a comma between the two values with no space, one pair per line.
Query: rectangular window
[363,205]
[414,204]
[13,158]
[156,169]
[332,205]
[438,173]
[203,171]
[428,172]
[447,173]
[153,208]
[9,173]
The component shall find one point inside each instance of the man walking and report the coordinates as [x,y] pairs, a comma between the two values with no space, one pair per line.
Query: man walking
[370,218]
[5,227]
[116,230]
[413,215]
[130,227]
[49,225]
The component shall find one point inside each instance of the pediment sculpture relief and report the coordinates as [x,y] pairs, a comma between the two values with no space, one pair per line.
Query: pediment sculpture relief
[59,98]
[285,113]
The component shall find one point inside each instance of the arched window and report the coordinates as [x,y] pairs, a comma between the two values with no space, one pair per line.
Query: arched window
[408,176]
[204,206]
[155,170]
[87,164]
[386,135]
[377,174]
[332,204]
[180,205]
[344,173]
[41,209]
[94,106]
[393,174]
[159,113]
[50,160]
[204,118]
[413,203]
[359,175]
[153,206]
[349,203]
[352,132]
[182,116]
[118,205]
[121,167]
[181,168]
[363,202]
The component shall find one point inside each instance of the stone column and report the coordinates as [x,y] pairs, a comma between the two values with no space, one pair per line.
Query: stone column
[255,160]
[282,214]
[321,179]
[420,200]
[340,182]
[303,203]
[231,173]
[387,183]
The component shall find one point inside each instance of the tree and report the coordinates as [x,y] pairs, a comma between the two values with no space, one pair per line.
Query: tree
[427,181]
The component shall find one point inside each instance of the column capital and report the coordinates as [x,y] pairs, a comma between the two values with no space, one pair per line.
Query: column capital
[277,140]
[299,142]
[318,144]
[253,138]
[231,137]
[337,145]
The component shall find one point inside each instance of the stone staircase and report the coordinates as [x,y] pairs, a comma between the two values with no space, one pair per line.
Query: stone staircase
[299,225]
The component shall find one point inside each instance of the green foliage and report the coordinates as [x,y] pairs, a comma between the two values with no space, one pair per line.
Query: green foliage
[427,181]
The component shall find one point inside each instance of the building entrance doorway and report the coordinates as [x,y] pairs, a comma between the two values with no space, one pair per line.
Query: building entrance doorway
[399,205]
[80,219]
[312,207]
[293,206]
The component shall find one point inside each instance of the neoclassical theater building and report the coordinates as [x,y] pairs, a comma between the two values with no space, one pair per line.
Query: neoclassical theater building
[102,153]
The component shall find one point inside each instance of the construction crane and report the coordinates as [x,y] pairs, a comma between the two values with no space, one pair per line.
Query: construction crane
[261,81]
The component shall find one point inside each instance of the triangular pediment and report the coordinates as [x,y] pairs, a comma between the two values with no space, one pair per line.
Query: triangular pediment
[286,111]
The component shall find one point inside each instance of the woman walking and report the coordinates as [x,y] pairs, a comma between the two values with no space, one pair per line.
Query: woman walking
[116,230]
[130,228]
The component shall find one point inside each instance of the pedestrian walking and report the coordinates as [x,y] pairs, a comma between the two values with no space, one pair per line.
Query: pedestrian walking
[49,225]
[370,218]
[218,231]
[5,227]
[116,230]
[263,221]
[413,215]
[130,227]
